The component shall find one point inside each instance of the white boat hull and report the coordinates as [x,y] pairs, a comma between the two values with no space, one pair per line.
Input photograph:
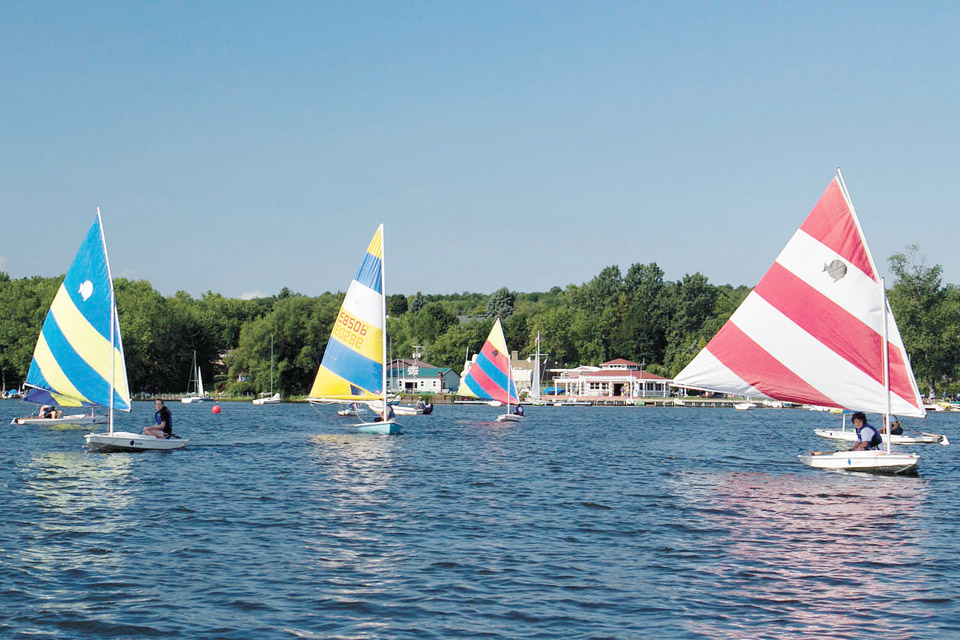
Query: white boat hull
[274,399]
[126,441]
[743,406]
[851,436]
[509,417]
[79,420]
[870,461]
[192,400]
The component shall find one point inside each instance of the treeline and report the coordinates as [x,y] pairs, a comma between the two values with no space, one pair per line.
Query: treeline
[636,315]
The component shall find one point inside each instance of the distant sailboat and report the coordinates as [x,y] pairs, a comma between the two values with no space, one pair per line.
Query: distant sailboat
[271,398]
[196,383]
[817,329]
[489,376]
[353,366]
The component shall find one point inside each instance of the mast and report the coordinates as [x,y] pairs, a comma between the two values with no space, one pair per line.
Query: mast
[113,322]
[537,376]
[383,317]
[271,364]
[886,367]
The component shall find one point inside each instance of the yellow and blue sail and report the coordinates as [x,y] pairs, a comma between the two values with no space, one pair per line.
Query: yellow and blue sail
[489,376]
[352,365]
[72,362]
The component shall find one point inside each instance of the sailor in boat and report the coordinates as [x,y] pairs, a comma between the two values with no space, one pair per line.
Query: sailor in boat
[388,414]
[49,411]
[164,428]
[896,428]
[519,411]
[869,438]
[421,404]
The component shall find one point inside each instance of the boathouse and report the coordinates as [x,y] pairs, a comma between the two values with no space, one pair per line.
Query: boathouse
[416,376]
[618,378]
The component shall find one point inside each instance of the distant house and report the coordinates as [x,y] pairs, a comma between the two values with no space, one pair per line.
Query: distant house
[618,378]
[416,376]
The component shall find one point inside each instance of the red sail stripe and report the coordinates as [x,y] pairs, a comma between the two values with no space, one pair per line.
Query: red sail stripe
[831,222]
[833,326]
[492,389]
[500,360]
[752,364]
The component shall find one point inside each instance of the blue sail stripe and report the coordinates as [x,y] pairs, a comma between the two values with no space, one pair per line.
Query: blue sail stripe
[42,396]
[356,369]
[369,273]
[90,264]
[496,376]
[84,377]
[476,388]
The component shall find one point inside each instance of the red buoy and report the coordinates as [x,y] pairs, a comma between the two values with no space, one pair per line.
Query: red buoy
[215,409]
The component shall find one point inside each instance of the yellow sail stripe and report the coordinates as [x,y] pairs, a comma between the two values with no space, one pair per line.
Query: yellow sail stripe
[64,401]
[376,245]
[54,375]
[330,386]
[87,341]
[497,339]
[359,336]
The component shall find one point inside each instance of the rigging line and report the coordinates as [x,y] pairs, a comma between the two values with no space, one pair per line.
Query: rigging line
[792,443]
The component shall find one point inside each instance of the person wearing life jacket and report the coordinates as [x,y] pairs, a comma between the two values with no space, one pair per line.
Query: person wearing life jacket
[164,428]
[868,436]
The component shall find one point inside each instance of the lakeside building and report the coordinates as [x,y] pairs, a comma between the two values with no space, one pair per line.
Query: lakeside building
[618,378]
[416,376]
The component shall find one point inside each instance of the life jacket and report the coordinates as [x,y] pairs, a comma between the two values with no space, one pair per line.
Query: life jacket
[875,441]
[164,413]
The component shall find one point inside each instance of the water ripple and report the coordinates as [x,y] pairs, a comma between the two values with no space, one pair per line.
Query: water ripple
[579,523]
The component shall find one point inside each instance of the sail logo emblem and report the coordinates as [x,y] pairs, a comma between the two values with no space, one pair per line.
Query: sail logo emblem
[836,269]
[86,290]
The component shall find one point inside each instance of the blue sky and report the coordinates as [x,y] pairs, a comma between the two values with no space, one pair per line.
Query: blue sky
[242,147]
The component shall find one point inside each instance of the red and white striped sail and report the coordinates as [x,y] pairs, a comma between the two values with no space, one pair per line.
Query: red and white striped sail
[812,330]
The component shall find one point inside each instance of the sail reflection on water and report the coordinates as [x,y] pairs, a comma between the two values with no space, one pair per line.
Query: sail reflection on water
[811,557]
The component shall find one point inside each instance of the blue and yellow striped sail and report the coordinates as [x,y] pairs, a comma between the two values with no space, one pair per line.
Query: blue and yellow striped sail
[352,366]
[71,364]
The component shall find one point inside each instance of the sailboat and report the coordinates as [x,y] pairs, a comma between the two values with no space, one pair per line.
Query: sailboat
[353,366]
[272,398]
[817,329]
[78,360]
[489,376]
[195,382]
[74,364]
[850,435]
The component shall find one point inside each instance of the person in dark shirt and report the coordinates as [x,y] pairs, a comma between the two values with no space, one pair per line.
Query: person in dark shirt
[164,428]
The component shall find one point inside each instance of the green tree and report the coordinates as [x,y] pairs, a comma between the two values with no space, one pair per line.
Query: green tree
[928,315]
[500,303]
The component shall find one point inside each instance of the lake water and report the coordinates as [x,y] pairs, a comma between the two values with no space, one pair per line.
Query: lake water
[280,522]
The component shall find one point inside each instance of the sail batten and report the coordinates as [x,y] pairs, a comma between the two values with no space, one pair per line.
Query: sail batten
[812,330]
[74,363]
[352,368]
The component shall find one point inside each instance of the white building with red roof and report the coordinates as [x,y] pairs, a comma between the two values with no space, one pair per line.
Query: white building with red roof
[616,379]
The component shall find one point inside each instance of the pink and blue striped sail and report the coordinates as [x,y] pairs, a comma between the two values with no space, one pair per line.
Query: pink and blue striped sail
[72,361]
[489,377]
[352,365]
